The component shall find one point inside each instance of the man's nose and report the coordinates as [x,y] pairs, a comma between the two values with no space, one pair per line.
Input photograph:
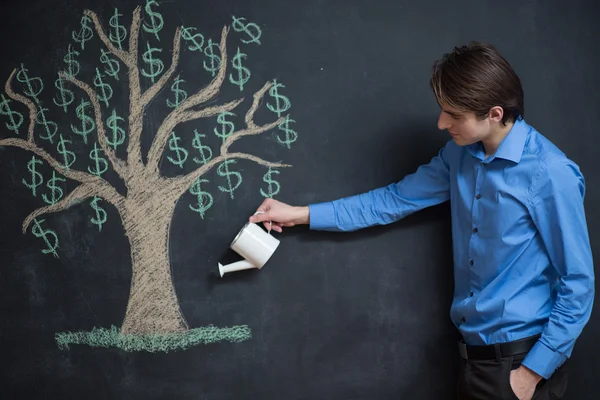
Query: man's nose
[443,122]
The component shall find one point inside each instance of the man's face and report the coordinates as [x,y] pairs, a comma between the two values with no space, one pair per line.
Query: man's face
[464,127]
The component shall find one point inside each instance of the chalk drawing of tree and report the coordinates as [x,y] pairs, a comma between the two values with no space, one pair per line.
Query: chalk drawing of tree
[153,320]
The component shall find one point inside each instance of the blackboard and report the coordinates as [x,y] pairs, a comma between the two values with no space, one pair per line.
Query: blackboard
[361,315]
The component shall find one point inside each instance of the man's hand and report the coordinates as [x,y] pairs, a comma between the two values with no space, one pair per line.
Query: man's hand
[523,382]
[280,215]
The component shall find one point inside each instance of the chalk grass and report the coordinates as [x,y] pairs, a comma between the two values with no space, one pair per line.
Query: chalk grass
[102,337]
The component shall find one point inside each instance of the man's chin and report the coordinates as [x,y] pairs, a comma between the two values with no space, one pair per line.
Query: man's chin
[459,141]
[462,141]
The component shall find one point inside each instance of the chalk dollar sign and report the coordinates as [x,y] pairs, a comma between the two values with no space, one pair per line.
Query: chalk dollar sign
[87,122]
[118,134]
[227,127]
[182,153]
[105,88]
[155,65]
[33,86]
[273,185]
[111,66]
[202,149]
[180,94]
[282,103]
[68,156]
[214,59]
[118,32]
[85,33]
[243,73]
[64,97]
[100,165]
[251,29]
[48,235]
[49,126]
[224,171]
[289,135]
[205,199]
[100,217]
[156,20]
[56,192]
[72,64]
[36,178]
[15,118]
[186,35]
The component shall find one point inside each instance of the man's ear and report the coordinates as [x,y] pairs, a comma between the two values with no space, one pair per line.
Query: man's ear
[496,113]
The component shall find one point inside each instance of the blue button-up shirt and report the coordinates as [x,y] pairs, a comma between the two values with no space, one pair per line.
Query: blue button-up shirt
[522,257]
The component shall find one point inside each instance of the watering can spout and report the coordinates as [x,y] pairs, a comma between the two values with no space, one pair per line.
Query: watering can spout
[236,266]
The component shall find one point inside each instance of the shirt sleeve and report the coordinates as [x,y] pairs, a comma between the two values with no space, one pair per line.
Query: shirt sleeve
[556,202]
[428,186]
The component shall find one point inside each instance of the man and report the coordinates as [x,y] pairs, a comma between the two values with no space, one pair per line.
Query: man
[524,279]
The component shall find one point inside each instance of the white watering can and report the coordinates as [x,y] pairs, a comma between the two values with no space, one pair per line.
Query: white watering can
[254,244]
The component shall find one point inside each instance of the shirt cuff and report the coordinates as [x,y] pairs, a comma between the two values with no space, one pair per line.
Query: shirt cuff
[543,360]
[322,216]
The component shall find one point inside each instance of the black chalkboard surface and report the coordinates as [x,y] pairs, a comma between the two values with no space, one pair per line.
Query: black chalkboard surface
[160,126]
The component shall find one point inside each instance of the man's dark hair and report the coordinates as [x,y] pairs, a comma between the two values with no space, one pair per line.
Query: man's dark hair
[476,77]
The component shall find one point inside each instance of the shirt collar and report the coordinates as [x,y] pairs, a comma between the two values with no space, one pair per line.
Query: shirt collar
[512,146]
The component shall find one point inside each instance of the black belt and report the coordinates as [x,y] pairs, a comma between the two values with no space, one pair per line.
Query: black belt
[497,350]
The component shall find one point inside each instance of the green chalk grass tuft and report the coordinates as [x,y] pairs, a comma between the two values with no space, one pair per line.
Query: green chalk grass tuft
[101,337]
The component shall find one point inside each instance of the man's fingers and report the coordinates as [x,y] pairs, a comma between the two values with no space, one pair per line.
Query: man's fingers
[276,228]
[263,216]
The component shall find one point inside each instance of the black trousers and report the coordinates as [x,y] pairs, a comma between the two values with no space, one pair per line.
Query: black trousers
[490,380]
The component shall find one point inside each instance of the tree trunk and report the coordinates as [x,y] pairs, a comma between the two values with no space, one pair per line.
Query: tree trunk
[153,306]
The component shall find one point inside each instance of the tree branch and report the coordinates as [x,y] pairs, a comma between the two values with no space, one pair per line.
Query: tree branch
[252,128]
[157,87]
[130,59]
[180,114]
[256,159]
[182,183]
[134,32]
[214,87]
[78,176]
[136,110]
[24,100]
[138,106]
[177,116]
[122,55]
[80,193]
[119,166]
[255,103]
[209,111]
[90,183]
[162,136]
[257,130]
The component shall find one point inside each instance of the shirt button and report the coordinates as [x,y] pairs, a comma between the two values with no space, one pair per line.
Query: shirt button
[478,196]
[471,294]
[474,230]
[471,262]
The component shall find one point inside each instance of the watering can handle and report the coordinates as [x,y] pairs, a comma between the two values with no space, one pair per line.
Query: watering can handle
[270,222]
